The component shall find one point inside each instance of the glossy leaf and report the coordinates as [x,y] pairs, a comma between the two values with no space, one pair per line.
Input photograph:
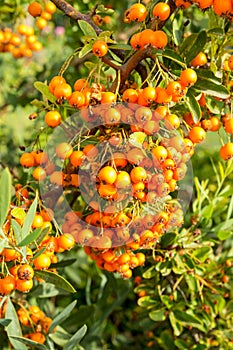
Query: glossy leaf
[87,29]
[210,88]
[158,315]
[171,55]
[13,328]
[5,194]
[197,46]
[76,338]
[57,280]
[32,236]
[31,343]
[29,219]
[85,50]
[62,316]
[44,89]
[193,106]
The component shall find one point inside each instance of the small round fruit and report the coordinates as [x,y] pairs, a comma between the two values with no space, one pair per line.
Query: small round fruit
[162,11]
[226,151]
[230,62]
[25,272]
[42,262]
[66,241]
[27,160]
[100,48]
[188,77]
[199,60]
[53,118]
[107,175]
[197,134]
[34,9]
[50,7]
[64,150]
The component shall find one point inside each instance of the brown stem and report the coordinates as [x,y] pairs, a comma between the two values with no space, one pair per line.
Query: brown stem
[132,64]
[74,14]
[110,63]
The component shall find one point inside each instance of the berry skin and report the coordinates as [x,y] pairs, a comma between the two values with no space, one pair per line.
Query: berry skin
[53,118]
[199,60]
[162,11]
[188,77]
[230,62]
[107,175]
[64,150]
[50,7]
[100,48]
[66,241]
[62,91]
[136,12]
[42,262]
[25,272]
[34,9]
[27,160]
[226,151]
[197,134]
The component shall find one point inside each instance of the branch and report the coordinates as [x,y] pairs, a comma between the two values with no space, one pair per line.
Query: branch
[132,63]
[74,14]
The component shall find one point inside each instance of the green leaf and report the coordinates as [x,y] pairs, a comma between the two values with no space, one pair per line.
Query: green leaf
[120,47]
[193,106]
[168,239]
[149,273]
[207,74]
[85,50]
[5,322]
[137,138]
[224,234]
[197,46]
[216,31]
[5,194]
[29,219]
[87,29]
[13,328]
[32,236]
[17,230]
[177,327]
[210,88]
[146,301]
[76,338]
[171,55]
[187,320]
[158,315]
[62,316]
[18,213]
[214,106]
[202,253]
[44,89]
[60,337]
[186,44]
[177,33]
[57,280]
[33,344]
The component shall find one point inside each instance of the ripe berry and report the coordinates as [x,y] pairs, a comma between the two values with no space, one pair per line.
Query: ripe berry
[162,11]
[226,151]
[197,134]
[199,60]
[53,118]
[27,160]
[188,77]
[35,9]
[100,48]
[64,150]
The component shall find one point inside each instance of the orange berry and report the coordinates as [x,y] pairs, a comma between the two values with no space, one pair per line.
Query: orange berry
[100,48]
[39,173]
[41,23]
[197,134]
[62,91]
[188,77]
[226,151]
[53,118]
[50,7]
[24,285]
[66,241]
[42,262]
[34,9]
[199,60]
[27,160]
[107,175]
[64,150]
[162,11]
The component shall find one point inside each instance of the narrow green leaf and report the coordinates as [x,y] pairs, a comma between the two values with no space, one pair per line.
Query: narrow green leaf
[29,219]
[168,239]
[17,230]
[5,194]
[87,29]
[121,47]
[177,32]
[32,236]
[171,55]
[13,328]
[158,315]
[57,280]
[44,89]
[224,234]
[62,316]
[60,336]
[216,31]
[210,88]
[177,327]
[187,43]
[208,74]
[85,50]
[193,106]
[146,301]
[186,318]
[149,273]
[5,322]
[76,338]
[33,344]
[197,46]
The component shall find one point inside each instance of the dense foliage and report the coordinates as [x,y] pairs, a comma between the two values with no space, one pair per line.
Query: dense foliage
[115,175]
